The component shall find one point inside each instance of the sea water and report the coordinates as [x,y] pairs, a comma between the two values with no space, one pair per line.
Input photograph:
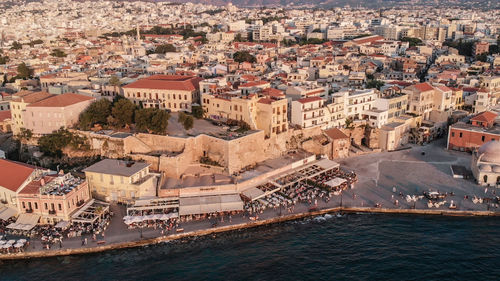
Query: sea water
[351,247]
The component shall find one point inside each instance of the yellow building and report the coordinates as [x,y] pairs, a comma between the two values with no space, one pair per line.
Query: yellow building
[173,92]
[259,112]
[18,105]
[120,181]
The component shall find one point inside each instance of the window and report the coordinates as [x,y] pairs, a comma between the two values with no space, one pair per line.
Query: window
[24,205]
[460,135]
[482,138]
[45,205]
[452,134]
[59,207]
[36,205]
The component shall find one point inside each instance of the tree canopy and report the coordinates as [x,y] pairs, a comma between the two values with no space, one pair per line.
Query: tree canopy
[370,84]
[242,56]
[187,121]
[123,112]
[23,71]
[58,53]
[96,113]
[16,46]
[165,48]
[413,41]
[52,144]
[152,120]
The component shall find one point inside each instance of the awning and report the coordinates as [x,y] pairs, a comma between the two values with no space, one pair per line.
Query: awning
[253,193]
[335,182]
[7,212]
[210,204]
[25,222]
[62,224]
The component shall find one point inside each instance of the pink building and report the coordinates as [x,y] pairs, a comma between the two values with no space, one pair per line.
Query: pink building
[50,114]
[53,198]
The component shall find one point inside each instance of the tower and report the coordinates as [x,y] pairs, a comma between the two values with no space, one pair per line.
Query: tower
[138,33]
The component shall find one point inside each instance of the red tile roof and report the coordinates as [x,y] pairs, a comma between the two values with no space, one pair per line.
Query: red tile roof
[5,115]
[31,97]
[167,82]
[486,116]
[266,100]
[253,84]
[423,87]
[309,99]
[61,100]
[13,174]
[335,134]
[34,186]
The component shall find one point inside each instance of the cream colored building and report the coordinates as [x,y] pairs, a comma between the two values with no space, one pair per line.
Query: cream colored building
[121,181]
[172,92]
[420,99]
[485,164]
[260,113]
[18,106]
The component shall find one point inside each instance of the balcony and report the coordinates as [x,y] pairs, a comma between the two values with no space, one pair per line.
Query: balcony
[29,211]
[52,212]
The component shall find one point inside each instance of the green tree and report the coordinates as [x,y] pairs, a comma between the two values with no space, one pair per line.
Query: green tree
[188,122]
[123,112]
[413,41]
[152,120]
[58,53]
[370,84]
[482,57]
[52,144]
[115,82]
[25,134]
[238,38]
[16,46]
[165,48]
[241,56]
[4,59]
[197,111]
[95,113]
[23,71]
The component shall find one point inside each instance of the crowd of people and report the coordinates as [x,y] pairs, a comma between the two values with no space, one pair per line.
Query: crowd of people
[300,189]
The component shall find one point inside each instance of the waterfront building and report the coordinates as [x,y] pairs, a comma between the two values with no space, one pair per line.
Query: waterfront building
[120,180]
[485,164]
[420,99]
[469,136]
[53,198]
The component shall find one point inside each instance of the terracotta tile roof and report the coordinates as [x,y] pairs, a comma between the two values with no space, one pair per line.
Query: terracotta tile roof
[423,87]
[444,88]
[13,174]
[253,84]
[61,100]
[309,99]
[34,186]
[5,115]
[486,116]
[336,134]
[167,82]
[266,100]
[31,97]
[272,92]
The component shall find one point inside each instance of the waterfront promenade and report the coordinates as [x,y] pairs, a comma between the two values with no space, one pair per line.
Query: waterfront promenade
[408,171]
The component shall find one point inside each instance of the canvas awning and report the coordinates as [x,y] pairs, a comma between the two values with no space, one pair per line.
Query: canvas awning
[210,204]
[7,212]
[253,193]
[25,222]
[335,182]
[62,224]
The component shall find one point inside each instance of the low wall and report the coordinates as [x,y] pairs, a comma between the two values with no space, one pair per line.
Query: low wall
[152,241]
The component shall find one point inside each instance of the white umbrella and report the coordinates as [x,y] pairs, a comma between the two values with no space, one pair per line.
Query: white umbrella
[126,218]
[2,242]
[136,219]
[6,246]
[11,242]
[164,217]
[157,216]
[22,240]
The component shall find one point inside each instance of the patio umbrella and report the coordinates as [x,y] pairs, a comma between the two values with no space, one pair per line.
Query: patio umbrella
[22,240]
[127,218]
[2,242]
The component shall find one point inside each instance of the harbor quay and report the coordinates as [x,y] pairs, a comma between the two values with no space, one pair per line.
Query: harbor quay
[399,182]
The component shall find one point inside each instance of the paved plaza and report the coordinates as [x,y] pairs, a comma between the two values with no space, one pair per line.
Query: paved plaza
[409,171]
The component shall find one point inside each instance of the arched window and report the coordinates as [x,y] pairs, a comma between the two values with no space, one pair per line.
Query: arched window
[485,178]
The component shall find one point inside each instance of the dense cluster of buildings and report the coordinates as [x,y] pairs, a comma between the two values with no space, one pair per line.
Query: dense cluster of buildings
[329,83]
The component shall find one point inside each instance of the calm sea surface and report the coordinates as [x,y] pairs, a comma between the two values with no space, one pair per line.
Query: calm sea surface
[353,247]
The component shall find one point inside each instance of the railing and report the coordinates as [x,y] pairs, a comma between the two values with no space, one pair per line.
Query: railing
[52,212]
[28,211]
